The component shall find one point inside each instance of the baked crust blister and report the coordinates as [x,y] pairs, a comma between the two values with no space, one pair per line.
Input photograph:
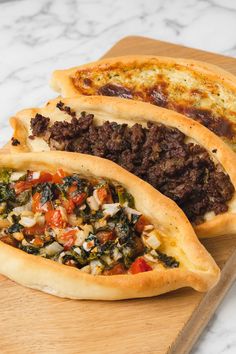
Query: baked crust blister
[198,269]
[199,90]
[129,111]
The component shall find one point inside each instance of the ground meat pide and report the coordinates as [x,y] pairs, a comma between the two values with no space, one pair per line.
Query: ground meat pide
[87,223]
[160,155]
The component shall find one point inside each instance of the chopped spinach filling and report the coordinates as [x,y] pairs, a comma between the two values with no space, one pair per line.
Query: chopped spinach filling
[88,222]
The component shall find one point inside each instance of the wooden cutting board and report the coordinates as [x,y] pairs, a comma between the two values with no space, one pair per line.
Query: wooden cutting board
[33,322]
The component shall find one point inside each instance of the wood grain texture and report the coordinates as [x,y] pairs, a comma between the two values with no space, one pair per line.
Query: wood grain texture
[33,322]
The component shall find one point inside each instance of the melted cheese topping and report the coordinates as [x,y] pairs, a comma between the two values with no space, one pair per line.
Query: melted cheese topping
[184,88]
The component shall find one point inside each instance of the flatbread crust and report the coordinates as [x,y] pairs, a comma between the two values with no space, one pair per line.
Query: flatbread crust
[200,90]
[129,111]
[198,269]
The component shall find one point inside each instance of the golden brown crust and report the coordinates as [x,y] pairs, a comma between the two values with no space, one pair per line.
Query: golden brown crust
[61,79]
[197,270]
[128,111]
[200,90]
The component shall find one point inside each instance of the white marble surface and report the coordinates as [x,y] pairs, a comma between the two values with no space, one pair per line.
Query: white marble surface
[37,37]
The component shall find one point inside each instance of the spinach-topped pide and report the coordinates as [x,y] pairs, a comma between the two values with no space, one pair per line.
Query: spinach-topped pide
[82,227]
[82,222]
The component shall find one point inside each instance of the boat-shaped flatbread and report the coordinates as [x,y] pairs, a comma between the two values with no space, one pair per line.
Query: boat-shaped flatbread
[81,227]
[196,89]
[175,154]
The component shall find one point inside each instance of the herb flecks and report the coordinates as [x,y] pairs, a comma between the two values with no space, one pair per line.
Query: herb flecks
[169,261]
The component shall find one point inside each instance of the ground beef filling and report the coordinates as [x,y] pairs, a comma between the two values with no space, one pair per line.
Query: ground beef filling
[158,154]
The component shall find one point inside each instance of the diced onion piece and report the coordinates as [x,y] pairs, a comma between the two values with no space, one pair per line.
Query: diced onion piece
[77,250]
[53,248]
[92,203]
[36,175]
[107,259]
[15,176]
[153,253]
[148,227]
[111,209]
[74,220]
[40,219]
[209,215]
[95,195]
[96,267]
[27,221]
[25,243]
[63,213]
[152,239]
[87,245]
[18,236]
[150,258]
[100,223]
[60,258]
[116,254]
[20,209]
[87,229]
[27,213]
[80,237]
[129,211]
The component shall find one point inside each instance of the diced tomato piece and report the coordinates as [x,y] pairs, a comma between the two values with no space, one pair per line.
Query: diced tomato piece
[37,206]
[139,265]
[142,221]
[68,234]
[69,244]
[77,197]
[104,236]
[69,237]
[59,175]
[44,177]
[117,269]
[69,205]
[104,195]
[54,219]
[22,186]
[34,230]
[38,242]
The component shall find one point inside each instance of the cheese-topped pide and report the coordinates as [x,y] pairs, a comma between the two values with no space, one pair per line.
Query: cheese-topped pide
[198,90]
[88,223]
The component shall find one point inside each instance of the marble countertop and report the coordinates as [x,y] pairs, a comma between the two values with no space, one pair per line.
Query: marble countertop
[37,37]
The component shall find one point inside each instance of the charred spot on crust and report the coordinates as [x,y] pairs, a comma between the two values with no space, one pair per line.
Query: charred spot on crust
[158,154]
[15,141]
[219,125]
[115,90]
[88,82]
[158,95]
